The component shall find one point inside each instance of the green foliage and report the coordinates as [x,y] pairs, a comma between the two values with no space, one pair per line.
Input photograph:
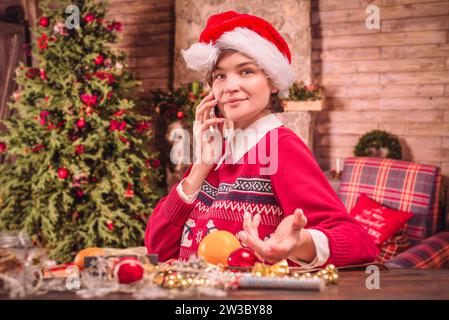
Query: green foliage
[178,104]
[378,139]
[111,188]
[301,92]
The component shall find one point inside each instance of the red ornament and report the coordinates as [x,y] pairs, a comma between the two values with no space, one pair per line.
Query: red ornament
[119,113]
[89,18]
[89,99]
[142,127]
[44,22]
[43,74]
[31,73]
[242,257]
[2,147]
[110,225]
[117,26]
[43,116]
[43,42]
[180,115]
[79,149]
[81,123]
[63,173]
[128,270]
[123,139]
[38,147]
[104,75]
[99,60]
[129,192]
[155,163]
[79,193]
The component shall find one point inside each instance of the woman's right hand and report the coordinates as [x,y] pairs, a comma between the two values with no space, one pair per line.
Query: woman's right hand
[206,149]
[207,145]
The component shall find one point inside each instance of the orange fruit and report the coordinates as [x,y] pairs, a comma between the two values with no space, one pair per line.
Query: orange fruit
[88,252]
[216,247]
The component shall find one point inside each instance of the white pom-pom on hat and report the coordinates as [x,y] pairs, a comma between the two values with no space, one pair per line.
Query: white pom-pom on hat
[201,56]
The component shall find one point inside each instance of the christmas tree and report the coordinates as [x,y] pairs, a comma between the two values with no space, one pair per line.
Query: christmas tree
[82,174]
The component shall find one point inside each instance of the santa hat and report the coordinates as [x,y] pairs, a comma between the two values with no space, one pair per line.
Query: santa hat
[248,34]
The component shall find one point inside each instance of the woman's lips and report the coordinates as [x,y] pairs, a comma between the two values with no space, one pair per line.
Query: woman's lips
[235,103]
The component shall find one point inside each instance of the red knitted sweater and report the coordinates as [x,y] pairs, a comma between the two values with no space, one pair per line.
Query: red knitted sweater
[175,228]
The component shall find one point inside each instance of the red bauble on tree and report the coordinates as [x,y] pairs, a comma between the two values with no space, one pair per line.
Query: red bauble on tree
[129,192]
[110,225]
[2,147]
[242,257]
[99,60]
[44,22]
[79,193]
[63,173]
[81,123]
[128,270]
[79,149]
[180,115]
[89,18]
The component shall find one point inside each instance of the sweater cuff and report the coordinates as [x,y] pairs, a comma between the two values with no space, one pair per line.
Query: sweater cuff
[187,198]
[339,247]
[176,209]
[322,251]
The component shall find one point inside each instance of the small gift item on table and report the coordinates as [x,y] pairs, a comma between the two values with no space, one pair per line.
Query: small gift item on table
[278,276]
[250,281]
[88,252]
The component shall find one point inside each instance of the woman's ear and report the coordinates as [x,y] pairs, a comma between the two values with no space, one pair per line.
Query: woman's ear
[273,89]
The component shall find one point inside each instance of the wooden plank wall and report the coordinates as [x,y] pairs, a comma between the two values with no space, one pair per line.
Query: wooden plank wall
[148,36]
[395,78]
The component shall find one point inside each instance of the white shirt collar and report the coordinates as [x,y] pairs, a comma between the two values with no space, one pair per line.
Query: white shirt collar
[240,142]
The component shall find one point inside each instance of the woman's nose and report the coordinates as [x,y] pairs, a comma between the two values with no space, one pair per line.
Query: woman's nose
[232,84]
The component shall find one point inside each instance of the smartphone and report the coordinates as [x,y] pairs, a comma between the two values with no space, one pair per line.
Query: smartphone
[214,113]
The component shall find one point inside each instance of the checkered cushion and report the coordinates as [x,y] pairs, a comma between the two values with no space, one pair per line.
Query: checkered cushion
[392,247]
[400,185]
[431,253]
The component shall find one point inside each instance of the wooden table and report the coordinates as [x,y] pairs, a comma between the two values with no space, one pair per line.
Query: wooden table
[402,284]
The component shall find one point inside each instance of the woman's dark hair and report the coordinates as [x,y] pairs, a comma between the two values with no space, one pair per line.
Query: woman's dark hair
[275,100]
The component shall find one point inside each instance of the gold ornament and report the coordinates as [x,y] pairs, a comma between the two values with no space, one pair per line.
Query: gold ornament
[278,269]
[329,274]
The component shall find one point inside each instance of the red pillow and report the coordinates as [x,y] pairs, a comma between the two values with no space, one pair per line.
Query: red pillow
[380,222]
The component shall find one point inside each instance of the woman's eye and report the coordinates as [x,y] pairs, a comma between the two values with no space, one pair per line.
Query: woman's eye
[247,71]
[218,76]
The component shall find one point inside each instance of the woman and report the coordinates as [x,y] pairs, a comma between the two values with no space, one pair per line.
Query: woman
[280,205]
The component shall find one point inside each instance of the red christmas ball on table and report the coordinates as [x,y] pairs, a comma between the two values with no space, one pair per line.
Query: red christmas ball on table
[128,270]
[242,257]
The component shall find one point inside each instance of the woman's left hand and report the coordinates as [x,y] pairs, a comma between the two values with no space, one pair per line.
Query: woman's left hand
[282,242]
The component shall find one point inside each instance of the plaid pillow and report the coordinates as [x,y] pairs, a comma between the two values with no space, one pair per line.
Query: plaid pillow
[398,243]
